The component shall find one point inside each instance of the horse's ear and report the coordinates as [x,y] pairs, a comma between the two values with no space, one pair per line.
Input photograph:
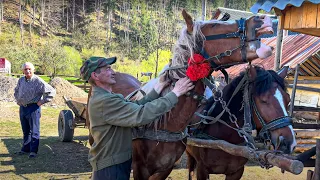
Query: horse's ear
[215,14]
[188,20]
[252,72]
[283,71]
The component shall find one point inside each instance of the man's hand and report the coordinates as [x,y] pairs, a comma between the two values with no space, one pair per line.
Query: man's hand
[161,85]
[39,103]
[182,86]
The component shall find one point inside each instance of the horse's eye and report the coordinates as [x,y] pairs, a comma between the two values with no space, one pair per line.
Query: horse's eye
[263,101]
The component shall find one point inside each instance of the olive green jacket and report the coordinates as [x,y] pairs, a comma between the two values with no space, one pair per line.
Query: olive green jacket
[111,119]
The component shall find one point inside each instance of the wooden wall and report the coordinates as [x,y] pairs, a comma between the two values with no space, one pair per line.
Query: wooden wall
[304,19]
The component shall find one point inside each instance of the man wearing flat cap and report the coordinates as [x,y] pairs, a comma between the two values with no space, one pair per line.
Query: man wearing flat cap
[112,117]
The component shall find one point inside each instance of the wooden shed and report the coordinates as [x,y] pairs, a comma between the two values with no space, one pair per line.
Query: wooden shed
[296,15]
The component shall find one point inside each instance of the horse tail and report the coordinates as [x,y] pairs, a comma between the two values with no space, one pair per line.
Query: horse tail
[191,165]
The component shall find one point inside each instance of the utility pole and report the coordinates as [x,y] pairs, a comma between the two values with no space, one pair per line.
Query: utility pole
[204,10]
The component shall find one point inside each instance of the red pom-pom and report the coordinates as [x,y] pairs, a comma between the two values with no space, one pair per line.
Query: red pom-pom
[197,68]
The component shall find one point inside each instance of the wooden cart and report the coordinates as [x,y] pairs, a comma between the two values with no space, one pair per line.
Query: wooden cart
[70,119]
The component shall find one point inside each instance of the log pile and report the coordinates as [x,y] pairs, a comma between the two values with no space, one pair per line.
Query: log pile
[306,139]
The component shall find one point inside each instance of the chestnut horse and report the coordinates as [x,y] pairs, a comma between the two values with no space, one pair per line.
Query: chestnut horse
[268,102]
[222,44]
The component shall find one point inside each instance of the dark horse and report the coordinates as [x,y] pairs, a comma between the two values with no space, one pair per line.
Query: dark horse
[222,44]
[268,100]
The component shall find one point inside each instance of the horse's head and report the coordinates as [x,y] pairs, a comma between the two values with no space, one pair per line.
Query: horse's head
[269,106]
[227,43]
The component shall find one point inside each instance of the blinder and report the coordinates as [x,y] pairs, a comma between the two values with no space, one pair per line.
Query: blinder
[241,33]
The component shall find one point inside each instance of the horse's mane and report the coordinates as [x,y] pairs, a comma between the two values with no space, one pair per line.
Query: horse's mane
[261,84]
[263,81]
[185,47]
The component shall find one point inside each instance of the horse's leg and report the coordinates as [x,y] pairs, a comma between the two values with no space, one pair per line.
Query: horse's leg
[235,176]
[191,165]
[161,175]
[140,172]
[202,173]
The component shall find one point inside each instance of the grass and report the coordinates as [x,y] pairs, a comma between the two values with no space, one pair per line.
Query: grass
[61,160]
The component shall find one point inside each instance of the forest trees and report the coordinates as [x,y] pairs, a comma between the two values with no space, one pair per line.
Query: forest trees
[133,30]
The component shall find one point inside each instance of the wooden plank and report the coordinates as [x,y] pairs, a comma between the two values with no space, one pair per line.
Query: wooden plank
[305,88]
[287,19]
[305,126]
[300,148]
[310,31]
[310,12]
[306,141]
[307,70]
[296,18]
[311,67]
[307,133]
[318,18]
[304,81]
[304,78]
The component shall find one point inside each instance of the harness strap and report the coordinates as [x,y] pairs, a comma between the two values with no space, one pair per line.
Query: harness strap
[158,135]
[215,119]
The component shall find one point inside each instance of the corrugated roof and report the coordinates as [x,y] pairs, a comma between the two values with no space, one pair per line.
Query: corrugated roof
[297,49]
[267,5]
[237,14]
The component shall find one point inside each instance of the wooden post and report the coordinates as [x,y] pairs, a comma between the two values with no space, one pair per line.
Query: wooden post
[316,174]
[293,94]
[278,56]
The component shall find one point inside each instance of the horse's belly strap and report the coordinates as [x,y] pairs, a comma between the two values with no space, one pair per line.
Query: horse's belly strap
[158,135]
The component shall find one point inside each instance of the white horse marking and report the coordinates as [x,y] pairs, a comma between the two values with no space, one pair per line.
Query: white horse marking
[279,97]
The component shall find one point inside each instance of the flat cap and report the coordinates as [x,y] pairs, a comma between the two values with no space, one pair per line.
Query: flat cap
[94,63]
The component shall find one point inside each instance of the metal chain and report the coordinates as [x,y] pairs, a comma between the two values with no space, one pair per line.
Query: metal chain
[234,120]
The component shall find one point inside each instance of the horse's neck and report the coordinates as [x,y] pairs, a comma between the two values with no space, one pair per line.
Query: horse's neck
[179,117]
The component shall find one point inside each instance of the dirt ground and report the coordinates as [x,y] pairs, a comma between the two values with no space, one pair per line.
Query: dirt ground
[58,160]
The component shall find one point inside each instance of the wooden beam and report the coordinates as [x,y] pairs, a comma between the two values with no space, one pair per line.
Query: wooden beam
[283,162]
[307,69]
[307,133]
[293,92]
[305,88]
[304,78]
[304,81]
[304,125]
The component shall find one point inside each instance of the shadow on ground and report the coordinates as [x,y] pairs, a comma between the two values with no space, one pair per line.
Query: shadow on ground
[54,157]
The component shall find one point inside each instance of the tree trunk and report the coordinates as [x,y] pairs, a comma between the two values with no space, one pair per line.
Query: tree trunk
[1,14]
[42,16]
[21,22]
[83,9]
[73,13]
[62,9]
[67,18]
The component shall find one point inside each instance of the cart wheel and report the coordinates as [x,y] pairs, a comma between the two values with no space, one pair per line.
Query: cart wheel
[65,132]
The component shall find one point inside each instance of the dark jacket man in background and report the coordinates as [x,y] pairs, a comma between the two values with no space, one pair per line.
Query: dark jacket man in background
[112,117]
[31,92]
